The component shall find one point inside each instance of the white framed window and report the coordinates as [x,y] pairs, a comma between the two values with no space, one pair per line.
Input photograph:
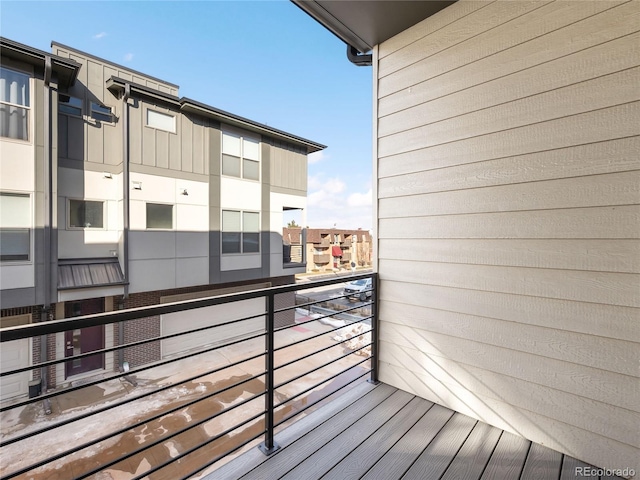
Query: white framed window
[240,232]
[14,104]
[85,214]
[159,216]
[69,105]
[161,121]
[101,112]
[15,227]
[240,156]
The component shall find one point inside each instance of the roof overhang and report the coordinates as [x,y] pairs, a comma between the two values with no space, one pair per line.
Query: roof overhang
[363,24]
[117,86]
[65,70]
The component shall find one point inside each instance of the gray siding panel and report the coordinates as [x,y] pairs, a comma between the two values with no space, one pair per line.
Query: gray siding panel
[508,145]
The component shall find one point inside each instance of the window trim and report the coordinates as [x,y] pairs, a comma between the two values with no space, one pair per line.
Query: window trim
[112,115]
[241,137]
[241,232]
[29,260]
[27,108]
[159,229]
[175,121]
[104,216]
[74,115]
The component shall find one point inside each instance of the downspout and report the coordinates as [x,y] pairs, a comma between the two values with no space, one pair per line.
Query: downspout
[126,209]
[48,214]
[358,59]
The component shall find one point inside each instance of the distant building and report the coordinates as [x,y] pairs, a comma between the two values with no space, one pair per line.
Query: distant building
[329,249]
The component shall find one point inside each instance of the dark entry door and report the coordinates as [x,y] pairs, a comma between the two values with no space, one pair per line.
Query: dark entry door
[84,340]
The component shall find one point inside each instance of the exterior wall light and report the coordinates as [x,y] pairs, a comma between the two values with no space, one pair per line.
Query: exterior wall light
[137,185]
[183,191]
[107,175]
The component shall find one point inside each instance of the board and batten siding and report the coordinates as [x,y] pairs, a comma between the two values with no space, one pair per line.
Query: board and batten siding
[508,206]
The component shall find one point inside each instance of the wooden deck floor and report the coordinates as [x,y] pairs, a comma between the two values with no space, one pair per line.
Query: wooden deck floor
[381,433]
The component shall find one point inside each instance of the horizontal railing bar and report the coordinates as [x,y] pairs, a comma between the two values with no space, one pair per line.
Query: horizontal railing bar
[127,428]
[311,337]
[124,402]
[328,315]
[130,372]
[193,449]
[318,367]
[323,398]
[49,363]
[179,432]
[291,362]
[55,326]
[307,390]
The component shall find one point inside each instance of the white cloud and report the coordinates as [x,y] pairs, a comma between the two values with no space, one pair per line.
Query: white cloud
[330,202]
[316,157]
[360,199]
[100,35]
[128,57]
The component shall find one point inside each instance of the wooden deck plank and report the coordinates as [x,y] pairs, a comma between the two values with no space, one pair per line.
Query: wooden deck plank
[324,458]
[307,444]
[356,464]
[474,455]
[569,465]
[379,432]
[508,457]
[542,462]
[437,457]
[254,457]
[400,457]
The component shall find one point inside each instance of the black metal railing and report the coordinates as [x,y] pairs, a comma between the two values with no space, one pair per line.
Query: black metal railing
[158,419]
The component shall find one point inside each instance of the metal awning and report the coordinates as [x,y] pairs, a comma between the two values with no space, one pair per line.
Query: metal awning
[336,251]
[89,273]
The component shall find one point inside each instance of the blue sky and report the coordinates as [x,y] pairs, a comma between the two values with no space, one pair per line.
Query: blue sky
[264,60]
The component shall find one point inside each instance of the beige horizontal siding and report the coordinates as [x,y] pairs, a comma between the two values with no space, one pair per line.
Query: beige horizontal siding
[508,187]
[570,254]
[562,436]
[568,32]
[598,319]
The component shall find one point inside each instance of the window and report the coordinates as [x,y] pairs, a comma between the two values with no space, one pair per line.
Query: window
[161,121]
[86,214]
[101,112]
[240,232]
[14,104]
[69,105]
[240,157]
[15,227]
[159,216]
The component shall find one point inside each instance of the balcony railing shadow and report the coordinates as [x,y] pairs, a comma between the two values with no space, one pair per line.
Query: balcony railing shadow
[176,417]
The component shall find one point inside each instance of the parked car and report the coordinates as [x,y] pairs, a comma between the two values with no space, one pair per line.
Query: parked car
[358,289]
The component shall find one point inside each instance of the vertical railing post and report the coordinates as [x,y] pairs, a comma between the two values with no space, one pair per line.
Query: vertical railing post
[374,329]
[269,445]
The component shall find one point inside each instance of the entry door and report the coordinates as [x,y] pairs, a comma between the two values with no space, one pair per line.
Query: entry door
[84,340]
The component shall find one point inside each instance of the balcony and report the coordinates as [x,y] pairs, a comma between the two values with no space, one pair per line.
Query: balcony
[234,409]
[322,258]
[182,416]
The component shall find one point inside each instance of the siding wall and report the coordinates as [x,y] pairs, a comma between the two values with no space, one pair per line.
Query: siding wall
[508,190]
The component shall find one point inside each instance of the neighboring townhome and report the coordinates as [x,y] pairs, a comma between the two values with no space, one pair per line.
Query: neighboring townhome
[117,193]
